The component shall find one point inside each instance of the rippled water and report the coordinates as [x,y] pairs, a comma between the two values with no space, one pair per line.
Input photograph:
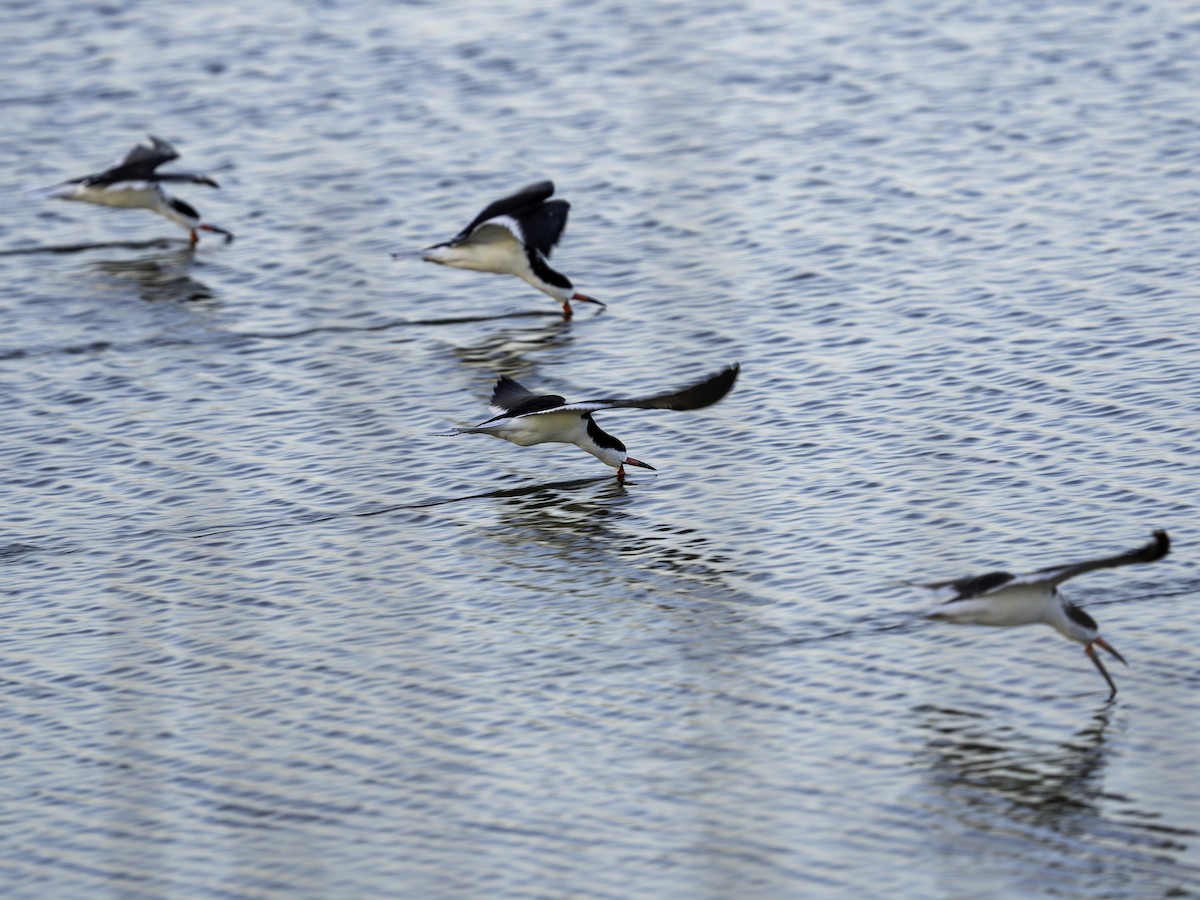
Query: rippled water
[264,635]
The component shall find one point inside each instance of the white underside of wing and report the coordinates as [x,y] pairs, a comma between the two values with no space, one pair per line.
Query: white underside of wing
[591,406]
[575,409]
[490,248]
[506,223]
[1036,580]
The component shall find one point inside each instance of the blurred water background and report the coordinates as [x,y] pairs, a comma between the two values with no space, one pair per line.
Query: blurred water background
[264,636]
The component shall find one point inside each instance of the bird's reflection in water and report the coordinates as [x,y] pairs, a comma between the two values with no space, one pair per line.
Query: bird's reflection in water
[596,524]
[574,518]
[1041,801]
[976,757]
[160,277]
[85,247]
[503,352]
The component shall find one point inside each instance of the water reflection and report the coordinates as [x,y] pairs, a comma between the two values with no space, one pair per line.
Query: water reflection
[161,276]
[559,516]
[106,245]
[503,352]
[1047,796]
[596,522]
[979,760]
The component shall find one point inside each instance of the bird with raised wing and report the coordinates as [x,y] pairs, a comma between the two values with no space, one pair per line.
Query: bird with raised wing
[514,236]
[525,418]
[136,183]
[999,598]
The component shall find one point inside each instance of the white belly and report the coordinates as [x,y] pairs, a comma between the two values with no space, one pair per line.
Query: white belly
[550,428]
[1017,606]
[128,195]
[489,249]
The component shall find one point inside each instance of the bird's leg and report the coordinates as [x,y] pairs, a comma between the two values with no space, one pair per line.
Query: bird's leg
[1090,650]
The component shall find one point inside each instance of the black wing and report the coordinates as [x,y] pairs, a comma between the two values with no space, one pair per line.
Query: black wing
[512,205]
[508,393]
[977,585]
[695,396]
[543,225]
[1159,547]
[138,165]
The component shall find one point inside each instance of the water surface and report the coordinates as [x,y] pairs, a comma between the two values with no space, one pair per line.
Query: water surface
[265,635]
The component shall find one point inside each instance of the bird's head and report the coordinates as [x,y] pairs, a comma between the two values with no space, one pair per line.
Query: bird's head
[1079,626]
[630,461]
[608,449]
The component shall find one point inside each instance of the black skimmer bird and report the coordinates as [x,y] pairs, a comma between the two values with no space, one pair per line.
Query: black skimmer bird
[999,598]
[135,183]
[526,418]
[514,236]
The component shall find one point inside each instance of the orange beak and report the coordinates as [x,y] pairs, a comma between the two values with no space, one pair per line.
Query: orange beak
[630,461]
[215,230]
[1090,650]
[1109,647]
[583,298]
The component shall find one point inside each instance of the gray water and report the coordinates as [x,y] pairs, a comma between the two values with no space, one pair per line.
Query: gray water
[264,635]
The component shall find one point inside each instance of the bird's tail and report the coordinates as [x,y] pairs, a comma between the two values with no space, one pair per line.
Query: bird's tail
[458,431]
[477,430]
[446,254]
[65,190]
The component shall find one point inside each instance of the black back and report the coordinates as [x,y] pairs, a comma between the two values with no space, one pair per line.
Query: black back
[511,397]
[977,585]
[517,400]
[534,404]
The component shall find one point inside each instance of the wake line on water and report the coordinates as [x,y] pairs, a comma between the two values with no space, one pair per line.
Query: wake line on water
[898,621]
[108,245]
[20,550]
[317,518]
[903,621]
[242,337]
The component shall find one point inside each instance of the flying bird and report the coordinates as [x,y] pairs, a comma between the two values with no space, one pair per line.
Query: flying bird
[136,183]
[514,236]
[999,598]
[525,418]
